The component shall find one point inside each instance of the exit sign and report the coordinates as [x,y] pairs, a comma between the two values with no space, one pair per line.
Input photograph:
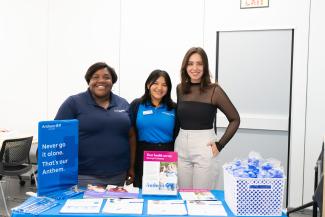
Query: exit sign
[254,3]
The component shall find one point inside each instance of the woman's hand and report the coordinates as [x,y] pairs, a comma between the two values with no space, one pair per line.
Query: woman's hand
[214,149]
[130,176]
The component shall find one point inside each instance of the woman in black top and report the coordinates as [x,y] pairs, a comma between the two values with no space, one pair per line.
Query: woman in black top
[197,102]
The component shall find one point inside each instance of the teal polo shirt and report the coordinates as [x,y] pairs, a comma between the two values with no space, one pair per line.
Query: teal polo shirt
[155,124]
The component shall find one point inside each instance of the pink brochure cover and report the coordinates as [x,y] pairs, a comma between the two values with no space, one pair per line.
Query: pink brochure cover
[162,156]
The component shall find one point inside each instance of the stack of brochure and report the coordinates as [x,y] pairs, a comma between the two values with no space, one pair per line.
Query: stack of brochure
[65,194]
[166,207]
[111,191]
[82,206]
[123,206]
[36,205]
[202,202]
[205,207]
[196,194]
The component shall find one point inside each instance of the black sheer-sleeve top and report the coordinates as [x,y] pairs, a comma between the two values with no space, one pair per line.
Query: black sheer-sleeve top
[196,110]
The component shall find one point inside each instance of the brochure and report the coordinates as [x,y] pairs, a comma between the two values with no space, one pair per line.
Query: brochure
[65,194]
[123,206]
[82,206]
[111,191]
[159,173]
[166,207]
[196,194]
[36,205]
[205,207]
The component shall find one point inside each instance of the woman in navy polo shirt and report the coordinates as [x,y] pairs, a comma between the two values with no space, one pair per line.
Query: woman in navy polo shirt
[153,118]
[106,141]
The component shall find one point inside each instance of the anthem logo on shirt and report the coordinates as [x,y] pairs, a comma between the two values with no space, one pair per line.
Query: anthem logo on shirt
[167,113]
[119,110]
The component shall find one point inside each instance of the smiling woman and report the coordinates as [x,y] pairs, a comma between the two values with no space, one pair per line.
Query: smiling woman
[197,102]
[100,78]
[153,118]
[106,139]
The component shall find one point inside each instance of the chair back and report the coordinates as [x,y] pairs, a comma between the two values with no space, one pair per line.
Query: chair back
[15,152]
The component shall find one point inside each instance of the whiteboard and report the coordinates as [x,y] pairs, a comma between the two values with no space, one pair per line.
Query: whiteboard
[254,68]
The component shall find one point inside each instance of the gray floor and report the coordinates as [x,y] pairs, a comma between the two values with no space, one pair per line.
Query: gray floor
[16,194]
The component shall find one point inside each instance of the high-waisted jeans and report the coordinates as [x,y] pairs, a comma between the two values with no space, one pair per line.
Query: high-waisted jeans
[197,167]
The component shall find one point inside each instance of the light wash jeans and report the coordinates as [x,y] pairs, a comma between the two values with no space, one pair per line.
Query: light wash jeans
[196,166]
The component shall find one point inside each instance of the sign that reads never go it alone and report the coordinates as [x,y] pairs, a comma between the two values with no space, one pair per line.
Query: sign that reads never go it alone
[57,155]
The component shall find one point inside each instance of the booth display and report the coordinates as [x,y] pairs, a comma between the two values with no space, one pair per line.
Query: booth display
[58,196]
[55,211]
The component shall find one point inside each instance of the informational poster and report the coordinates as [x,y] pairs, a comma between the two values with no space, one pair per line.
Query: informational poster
[57,155]
[159,173]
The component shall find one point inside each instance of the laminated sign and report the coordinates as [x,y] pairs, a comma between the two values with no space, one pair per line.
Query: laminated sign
[159,173]
[57,155]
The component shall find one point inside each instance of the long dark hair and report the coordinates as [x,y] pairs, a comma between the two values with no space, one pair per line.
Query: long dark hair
[185,78]
[154,75]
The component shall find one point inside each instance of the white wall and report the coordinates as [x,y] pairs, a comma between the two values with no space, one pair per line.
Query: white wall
[156,35]
[315,116]
[23,64]
[80,34]
[46,47]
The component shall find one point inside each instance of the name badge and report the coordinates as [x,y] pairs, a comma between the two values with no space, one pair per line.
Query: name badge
[148,112]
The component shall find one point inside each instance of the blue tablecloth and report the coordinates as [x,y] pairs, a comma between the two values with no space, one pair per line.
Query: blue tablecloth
[54,212]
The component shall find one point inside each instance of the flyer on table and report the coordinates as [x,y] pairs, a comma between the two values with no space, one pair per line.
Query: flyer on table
[159,173]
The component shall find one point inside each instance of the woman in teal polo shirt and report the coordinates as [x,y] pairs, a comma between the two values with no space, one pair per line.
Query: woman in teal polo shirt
[153,118]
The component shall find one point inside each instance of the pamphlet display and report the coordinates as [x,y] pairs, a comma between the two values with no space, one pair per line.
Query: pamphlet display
[58,178]
[128,206]
[57,155]
[159,173]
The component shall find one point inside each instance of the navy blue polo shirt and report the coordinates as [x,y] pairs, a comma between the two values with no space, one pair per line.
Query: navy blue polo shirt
[155,124]
[103,133]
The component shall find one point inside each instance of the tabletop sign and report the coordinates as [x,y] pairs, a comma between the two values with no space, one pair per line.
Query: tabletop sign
[254,4]
[57,155]
[159,173]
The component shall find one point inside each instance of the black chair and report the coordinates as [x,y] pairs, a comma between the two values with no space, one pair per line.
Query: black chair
[14,160]
[14,157]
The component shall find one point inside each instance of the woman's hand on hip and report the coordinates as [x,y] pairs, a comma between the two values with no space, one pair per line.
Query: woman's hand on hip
[214,148]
